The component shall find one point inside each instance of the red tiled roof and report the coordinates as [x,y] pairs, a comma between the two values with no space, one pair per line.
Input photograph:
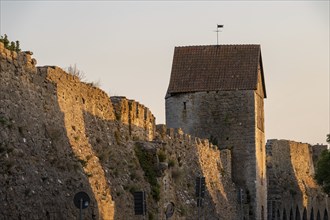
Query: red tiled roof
[215,67]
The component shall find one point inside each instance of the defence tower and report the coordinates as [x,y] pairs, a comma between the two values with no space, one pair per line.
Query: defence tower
[218,92]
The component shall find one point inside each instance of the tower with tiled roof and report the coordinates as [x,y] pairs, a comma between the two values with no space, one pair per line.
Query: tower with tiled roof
[218,92]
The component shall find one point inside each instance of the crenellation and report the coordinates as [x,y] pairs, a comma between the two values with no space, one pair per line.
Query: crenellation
[170,132]
[161,129]
[138,117]
[205,142]
[187,138]
[198,141]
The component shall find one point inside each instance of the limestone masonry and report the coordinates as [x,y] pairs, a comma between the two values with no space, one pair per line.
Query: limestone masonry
[59,136]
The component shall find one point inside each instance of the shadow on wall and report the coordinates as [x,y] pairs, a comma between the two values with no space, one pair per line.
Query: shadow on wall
[292,191]
[203,159]
[197,157]
[113,146]
[177,159]
[40,172]
[60,136]
[74,98]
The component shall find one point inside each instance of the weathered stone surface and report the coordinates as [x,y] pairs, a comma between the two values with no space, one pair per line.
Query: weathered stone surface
[228,119]
[291,186]
[59,136]
[140,120]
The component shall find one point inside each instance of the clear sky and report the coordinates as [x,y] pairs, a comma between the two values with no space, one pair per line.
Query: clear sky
[128,47]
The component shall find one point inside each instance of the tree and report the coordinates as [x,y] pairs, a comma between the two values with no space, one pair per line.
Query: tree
[5,40]
[13,46]
[322,174]
[73,70]
[17,47]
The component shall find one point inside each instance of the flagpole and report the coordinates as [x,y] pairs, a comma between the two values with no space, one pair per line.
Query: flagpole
[218,26]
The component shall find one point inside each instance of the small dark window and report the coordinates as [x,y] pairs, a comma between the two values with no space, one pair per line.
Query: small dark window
[284,215]
[297,214]
[184,106]
[312,215]
[305,214]
[325,217]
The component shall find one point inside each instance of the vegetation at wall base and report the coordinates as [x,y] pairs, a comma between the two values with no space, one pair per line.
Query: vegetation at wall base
[322,174]
[149,171]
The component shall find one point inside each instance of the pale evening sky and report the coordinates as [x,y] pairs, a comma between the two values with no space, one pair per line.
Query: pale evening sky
[128,47]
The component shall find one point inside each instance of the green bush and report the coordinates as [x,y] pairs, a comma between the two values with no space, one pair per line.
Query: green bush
[13,46]
[149,169]
[155,192]
[322,174]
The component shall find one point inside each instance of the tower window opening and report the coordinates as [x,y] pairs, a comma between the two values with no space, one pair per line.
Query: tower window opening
[184,106]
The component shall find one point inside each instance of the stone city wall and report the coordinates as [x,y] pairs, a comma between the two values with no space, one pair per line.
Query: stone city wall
[195,157]
[138,117]
[292,190]
[59,136]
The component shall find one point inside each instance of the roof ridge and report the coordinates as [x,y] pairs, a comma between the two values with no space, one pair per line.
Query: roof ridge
[218,45]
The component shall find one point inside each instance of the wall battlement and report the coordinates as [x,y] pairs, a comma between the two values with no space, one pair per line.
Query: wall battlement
[135,115]
[178,134]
